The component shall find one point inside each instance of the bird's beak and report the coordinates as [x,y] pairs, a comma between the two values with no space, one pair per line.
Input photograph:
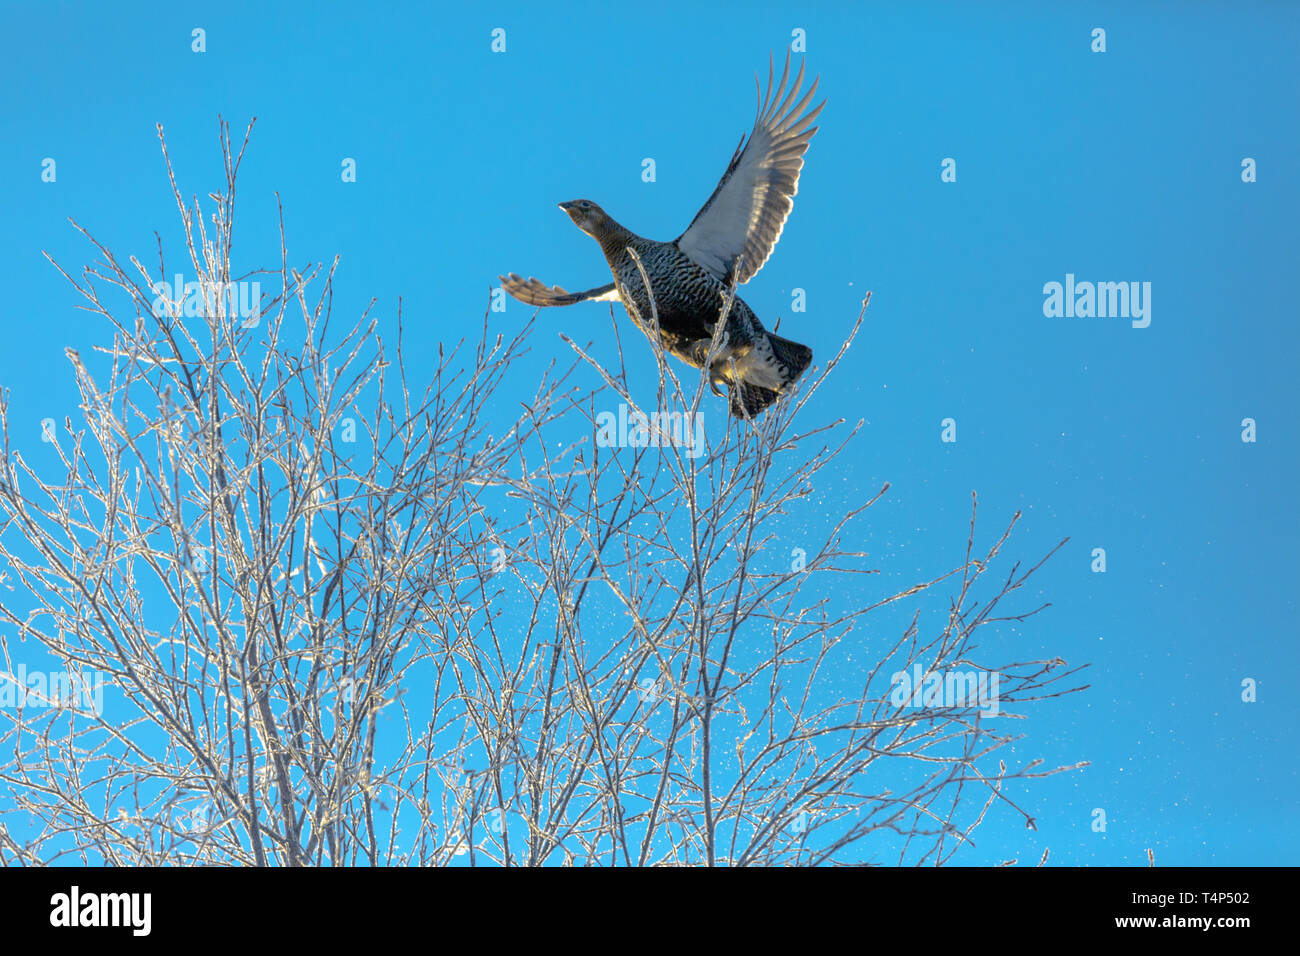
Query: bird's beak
[574,211]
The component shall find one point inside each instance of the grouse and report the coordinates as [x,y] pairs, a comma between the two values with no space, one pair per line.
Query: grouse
[727,242]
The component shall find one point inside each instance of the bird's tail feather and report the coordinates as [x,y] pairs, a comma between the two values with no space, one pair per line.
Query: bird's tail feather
[787,362]
[750,400]
[792,355]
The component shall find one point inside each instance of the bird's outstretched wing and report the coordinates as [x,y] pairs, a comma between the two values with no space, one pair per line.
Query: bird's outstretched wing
[535,292]
[748,209]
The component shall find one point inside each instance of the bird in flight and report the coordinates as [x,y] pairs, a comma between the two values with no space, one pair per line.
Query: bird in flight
[726,243]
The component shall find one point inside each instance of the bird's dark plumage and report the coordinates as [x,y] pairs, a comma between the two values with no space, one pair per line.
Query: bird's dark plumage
[728,241]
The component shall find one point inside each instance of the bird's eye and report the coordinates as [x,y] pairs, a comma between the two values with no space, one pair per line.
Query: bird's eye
[586,205]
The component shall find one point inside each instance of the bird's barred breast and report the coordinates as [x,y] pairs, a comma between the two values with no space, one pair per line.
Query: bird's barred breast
[688,299]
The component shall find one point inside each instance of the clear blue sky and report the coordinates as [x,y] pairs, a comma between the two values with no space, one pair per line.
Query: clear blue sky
[1115,166]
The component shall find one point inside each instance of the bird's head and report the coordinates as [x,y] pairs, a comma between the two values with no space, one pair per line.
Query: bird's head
[587,216]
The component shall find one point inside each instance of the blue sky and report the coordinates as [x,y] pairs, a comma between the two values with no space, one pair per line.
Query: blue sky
[1123,165]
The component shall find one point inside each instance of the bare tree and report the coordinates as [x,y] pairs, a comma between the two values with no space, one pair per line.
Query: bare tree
[349,612]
